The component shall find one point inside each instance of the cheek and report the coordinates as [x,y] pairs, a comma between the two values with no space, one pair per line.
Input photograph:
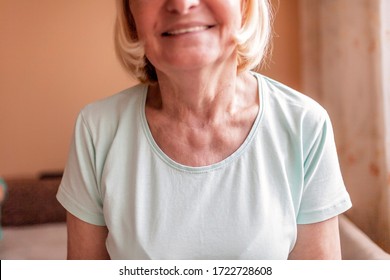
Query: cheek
[139,26]
[229,13]
[142,17]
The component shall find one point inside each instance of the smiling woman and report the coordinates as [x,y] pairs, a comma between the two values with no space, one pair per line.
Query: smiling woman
[251,38]
[195,39]
[204,159]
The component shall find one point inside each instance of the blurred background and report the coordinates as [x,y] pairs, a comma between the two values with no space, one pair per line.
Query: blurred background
[58,56]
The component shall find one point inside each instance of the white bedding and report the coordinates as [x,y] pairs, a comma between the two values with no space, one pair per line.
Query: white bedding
[35,242]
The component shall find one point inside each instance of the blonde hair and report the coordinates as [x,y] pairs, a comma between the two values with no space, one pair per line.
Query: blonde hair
[252,41]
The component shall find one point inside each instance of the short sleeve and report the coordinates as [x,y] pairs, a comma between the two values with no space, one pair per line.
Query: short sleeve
[79,191]
[324,195]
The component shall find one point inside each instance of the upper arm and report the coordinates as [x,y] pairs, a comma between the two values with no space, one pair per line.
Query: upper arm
[86,241]
[318,241]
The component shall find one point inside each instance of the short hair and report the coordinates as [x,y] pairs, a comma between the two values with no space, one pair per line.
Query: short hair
[252,41]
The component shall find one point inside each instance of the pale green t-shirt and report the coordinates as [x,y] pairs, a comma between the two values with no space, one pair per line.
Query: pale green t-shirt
[244,207]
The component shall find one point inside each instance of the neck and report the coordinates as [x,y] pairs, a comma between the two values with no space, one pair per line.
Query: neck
[195,98]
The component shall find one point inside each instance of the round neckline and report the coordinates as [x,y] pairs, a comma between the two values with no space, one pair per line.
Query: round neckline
[206,168]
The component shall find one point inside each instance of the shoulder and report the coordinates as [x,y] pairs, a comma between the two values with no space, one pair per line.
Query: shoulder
[116,104]
[101,119]
[112,110]
[285,95]
[289,114]
[286,104]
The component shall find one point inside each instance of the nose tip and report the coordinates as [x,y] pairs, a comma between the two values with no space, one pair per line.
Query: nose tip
[181,6]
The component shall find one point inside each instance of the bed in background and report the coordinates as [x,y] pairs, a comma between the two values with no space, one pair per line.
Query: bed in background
[33,222]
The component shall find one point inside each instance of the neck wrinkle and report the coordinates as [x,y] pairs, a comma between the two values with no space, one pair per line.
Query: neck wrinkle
[197,98]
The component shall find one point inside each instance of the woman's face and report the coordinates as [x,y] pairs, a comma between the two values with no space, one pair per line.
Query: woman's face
[187,34]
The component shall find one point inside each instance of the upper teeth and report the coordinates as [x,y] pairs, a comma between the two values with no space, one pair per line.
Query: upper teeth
[187,30]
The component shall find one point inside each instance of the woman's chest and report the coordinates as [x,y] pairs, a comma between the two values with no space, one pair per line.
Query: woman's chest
[166,216]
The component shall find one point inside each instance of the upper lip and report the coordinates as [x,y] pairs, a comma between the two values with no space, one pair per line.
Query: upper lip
[183,27]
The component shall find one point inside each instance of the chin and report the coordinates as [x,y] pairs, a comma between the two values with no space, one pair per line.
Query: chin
[186,62]
[197,60]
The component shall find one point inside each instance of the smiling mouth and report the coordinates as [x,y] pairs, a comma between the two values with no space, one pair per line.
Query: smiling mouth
[182,31]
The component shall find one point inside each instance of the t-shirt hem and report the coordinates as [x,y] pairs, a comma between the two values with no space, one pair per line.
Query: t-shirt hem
[325,214]
[67,202]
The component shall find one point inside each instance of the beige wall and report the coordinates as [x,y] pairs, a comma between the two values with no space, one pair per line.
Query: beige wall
[285,62]
[57,56]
